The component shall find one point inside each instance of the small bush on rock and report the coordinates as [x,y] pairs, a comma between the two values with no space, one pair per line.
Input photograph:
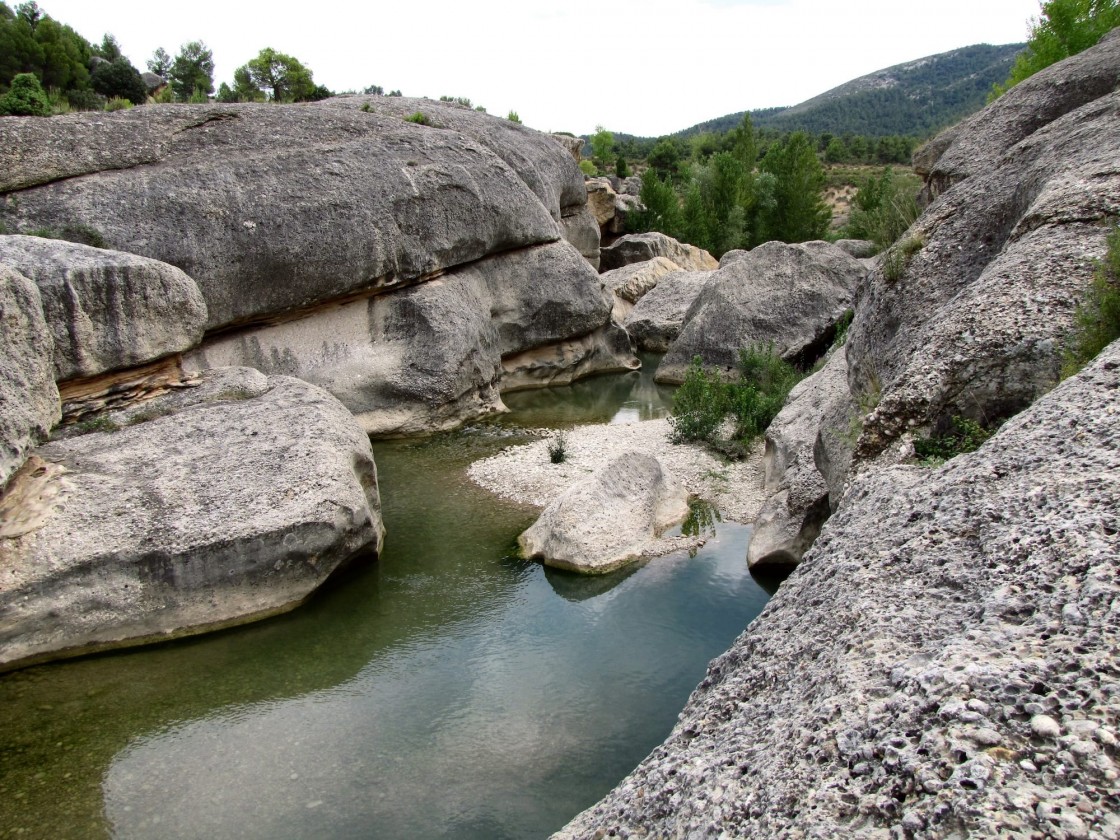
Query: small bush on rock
[966,436]
[1097,320]
[558,449]
[419,118]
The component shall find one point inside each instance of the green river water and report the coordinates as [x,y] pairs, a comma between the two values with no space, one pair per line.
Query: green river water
[446,690]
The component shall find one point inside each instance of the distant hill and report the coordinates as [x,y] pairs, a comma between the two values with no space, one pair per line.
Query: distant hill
[915,98]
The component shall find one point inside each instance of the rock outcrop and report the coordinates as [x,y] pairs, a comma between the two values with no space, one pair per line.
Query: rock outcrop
[107,310]
[233,505]
[609,207]
[788,295]
[941,664]
[29,405]
[602,523]
[798,506]
[656,319]
[639,247]
[289,245]
[628,284]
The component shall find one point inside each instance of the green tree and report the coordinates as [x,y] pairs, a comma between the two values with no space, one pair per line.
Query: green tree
[665,157]
[1065,28]
[160,62]
[663,210]
[25,98]
[109,49]
[798,214]
[602,143]
[119,79]
[192,72]
[275,76]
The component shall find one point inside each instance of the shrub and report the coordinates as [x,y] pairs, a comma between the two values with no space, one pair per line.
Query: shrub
[897,259]
[513,117]
[883,209]
[1097,319]
[366,108]
[118,104]
[25,98]
[705,400]
[419,118]
[966,436]
[588,168]
[558,449]
[82,234]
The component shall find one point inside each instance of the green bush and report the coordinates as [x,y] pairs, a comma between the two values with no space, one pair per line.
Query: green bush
[419,118]
[883,209]
[558,449]
[966,436]
[118,103]
[897,259]
[513,117]
[588,168]
[705,400]
[1097,319]
[25,98]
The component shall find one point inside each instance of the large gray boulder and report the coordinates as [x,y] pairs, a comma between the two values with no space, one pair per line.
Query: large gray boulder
[348,201]
[604,522]
[227,510]
[639,247]
[628,284]
[107,310]
[656,319]
[579,228]
[798,505]
[29,404]
[973,321]
[788,295]
[942,664]
[433,356]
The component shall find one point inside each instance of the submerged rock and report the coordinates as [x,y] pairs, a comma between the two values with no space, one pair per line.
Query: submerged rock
[29,405]
[224,510]
[787,295]
[602,523]
[107,310]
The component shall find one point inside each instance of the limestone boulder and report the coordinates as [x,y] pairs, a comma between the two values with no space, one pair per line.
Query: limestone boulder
[656,319]
[941,611]
[973,318]
[639,247]
[225,511]
[275,208]
[107,310]
[579,228]
[602,523]
[600,200]
[628,284]
[29,404]
[861,249]
[787,295]
[798,505]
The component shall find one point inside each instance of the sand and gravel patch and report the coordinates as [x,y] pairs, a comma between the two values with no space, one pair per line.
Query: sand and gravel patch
[525,473]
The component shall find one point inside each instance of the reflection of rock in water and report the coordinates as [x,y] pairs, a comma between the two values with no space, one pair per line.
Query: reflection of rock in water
[573,586]
[701,520]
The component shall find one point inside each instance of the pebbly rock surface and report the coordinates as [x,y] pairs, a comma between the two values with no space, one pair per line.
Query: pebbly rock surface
[29,404]
[656,319]
[107,310]
[639,247]
[788,295]
[972,322]
[215,508]
[798,505]
[272,208]
[942,664]
[604,522]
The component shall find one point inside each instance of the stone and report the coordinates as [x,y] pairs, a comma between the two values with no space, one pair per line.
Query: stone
[1045,726]
[602,523]
[107,310]
[581,230]
[895,613]
[628,284]
[798,506]
[29,404]
[356,201]
[152,81]
[600,200]
[656,319]
[227,510]
[790,296]
[638,247]
[861,249]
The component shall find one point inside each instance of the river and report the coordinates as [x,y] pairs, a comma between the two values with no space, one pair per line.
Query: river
[446,690]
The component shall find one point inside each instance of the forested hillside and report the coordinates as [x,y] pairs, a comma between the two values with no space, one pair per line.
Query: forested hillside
[915,98]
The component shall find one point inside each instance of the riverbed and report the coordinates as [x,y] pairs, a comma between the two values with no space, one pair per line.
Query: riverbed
[446,690]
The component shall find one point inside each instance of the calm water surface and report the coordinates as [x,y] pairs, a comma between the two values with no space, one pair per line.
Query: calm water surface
[447,690]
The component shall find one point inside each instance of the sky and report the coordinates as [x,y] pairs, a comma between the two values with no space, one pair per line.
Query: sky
[645,67]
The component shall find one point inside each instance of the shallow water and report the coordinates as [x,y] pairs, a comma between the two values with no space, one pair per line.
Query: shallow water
[447,690]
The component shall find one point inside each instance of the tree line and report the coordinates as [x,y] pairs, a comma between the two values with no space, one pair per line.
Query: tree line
[48,67]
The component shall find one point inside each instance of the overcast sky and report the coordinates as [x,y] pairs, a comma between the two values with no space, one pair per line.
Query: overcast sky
[646,67]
